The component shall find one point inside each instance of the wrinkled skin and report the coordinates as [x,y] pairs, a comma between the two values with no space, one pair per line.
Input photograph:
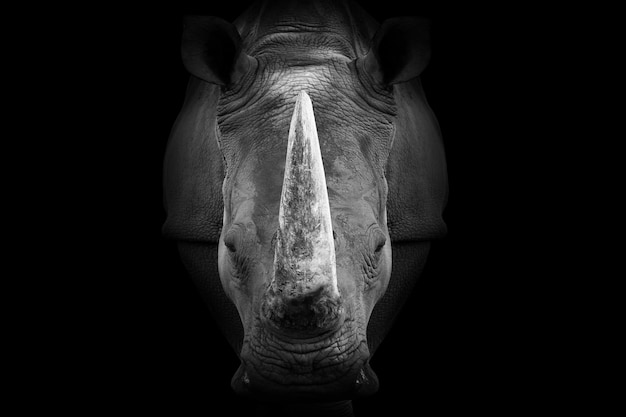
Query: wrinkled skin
[386,181]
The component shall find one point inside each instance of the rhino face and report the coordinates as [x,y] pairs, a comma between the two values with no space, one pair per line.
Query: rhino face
[302,128]
[305,252]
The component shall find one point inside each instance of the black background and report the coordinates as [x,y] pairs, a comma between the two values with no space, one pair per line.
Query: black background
[126,329]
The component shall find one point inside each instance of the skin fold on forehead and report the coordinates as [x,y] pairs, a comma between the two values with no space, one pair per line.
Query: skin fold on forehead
[355,137]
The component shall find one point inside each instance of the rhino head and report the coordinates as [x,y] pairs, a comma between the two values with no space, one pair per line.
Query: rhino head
[305,288]
[291,128]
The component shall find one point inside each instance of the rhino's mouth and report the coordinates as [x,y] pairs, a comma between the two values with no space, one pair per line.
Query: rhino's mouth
[331,367]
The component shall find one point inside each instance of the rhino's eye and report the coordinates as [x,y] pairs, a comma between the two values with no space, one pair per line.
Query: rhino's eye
[378,240]
[238,261]
[230,240]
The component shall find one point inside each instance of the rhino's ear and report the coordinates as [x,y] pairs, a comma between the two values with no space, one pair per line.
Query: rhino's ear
[400,50]
[212,50]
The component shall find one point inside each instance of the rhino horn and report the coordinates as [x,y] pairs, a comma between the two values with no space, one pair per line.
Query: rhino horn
[304,258]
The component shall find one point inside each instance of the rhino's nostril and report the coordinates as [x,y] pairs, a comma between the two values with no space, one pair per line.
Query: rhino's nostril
[361,378]
[366,382]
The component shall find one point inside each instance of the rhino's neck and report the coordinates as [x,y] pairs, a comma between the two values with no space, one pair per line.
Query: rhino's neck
[331,409]
[339,26]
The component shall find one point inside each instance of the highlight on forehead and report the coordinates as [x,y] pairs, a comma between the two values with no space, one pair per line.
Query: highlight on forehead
[354,136]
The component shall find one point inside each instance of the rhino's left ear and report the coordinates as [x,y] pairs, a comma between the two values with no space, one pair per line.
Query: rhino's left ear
[400,50]
[212,50]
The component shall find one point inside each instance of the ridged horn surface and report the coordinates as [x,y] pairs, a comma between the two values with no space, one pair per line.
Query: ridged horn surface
[304,259]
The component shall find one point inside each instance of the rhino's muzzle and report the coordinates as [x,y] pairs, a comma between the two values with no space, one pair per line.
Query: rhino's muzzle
[362,383]
[303,296]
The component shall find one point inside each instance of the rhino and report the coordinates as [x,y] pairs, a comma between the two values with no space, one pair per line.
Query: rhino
[304,182]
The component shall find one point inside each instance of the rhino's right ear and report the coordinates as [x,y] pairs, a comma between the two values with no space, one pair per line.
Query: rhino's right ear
[399,51]
[212,50]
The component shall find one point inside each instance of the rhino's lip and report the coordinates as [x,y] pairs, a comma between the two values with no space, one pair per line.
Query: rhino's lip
[332,367]
[246,382]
